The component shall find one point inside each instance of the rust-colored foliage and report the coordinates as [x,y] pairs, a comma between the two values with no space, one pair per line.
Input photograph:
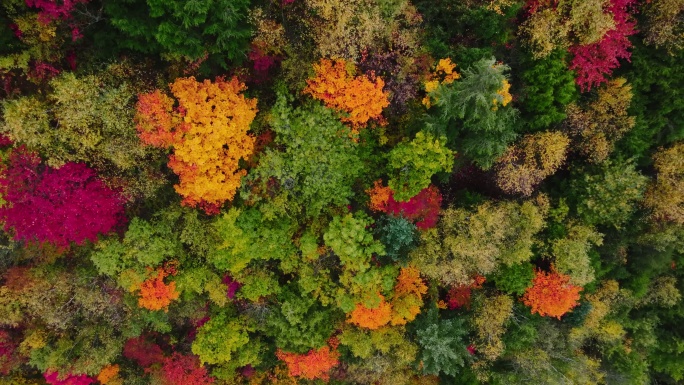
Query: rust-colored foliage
[359,96]
[551,294]
[315,364]
[108,373]
[371,318]
[460,296]
[155,120]
[155,294]
[208,132]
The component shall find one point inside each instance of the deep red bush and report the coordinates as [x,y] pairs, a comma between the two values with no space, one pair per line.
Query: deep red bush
[68,204]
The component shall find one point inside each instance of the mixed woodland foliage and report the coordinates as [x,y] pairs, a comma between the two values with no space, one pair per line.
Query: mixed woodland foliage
[404,192]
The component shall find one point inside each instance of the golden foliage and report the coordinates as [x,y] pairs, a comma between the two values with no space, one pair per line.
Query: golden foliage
[408,296]
[603,122]
[209,136]
[360,97]
[444,70]
[489,321]
[665,196]
[530,161]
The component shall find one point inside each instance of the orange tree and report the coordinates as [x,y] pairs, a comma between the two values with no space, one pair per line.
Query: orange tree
[551,294]
[208,132]
[360,97]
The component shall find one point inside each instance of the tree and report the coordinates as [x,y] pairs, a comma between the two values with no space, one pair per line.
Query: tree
[371,318]
[663,24]
[360,97]
[604,121]
[610,195]
[547,87]
[300,323]
[208,135]
[423,208]
[348,238]
[595,61]
[315,364]
[571,253]
[313,166]
[224,341]
[155,294]
[474,112]
[489,320]
[551,294]
[68,204]
[179,369]
[408,296]
[398,235]
[88,119]
[413,164]
[179,30]
[468,242]
[665,196]
[443,349]
[527,163]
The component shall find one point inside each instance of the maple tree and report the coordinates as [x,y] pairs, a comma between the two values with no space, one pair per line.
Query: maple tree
[371,318]
[595,62]
[360,97]
[155,294]
[408,296]
[143,351]
[54,378]
[68,204]
[422,209]
[551,294]
[180,369]
[316,364]
[208,133]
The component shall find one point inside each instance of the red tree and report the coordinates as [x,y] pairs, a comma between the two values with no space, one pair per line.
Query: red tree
[142,351]
[595,62]
[422,209]
[180,369]
[69,204]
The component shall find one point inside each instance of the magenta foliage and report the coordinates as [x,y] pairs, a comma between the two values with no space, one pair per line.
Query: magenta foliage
[422,208]
[180,369]
[54,9]
[5,141]
[7,350]
[595,62]
[53,378]
[233,286]
[69,204]
[43,71]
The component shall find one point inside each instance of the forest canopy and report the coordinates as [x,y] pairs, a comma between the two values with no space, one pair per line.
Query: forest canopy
[378,192]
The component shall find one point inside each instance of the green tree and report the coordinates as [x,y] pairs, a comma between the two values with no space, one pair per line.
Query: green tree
[469,242]
[474,112]
[316,168]
[443,349]
[413,164]
[608,194]
[186,30]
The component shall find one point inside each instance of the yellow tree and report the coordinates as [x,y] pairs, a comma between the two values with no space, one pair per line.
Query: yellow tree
[604,121]
[208,132]
[665,196]
[527,163]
